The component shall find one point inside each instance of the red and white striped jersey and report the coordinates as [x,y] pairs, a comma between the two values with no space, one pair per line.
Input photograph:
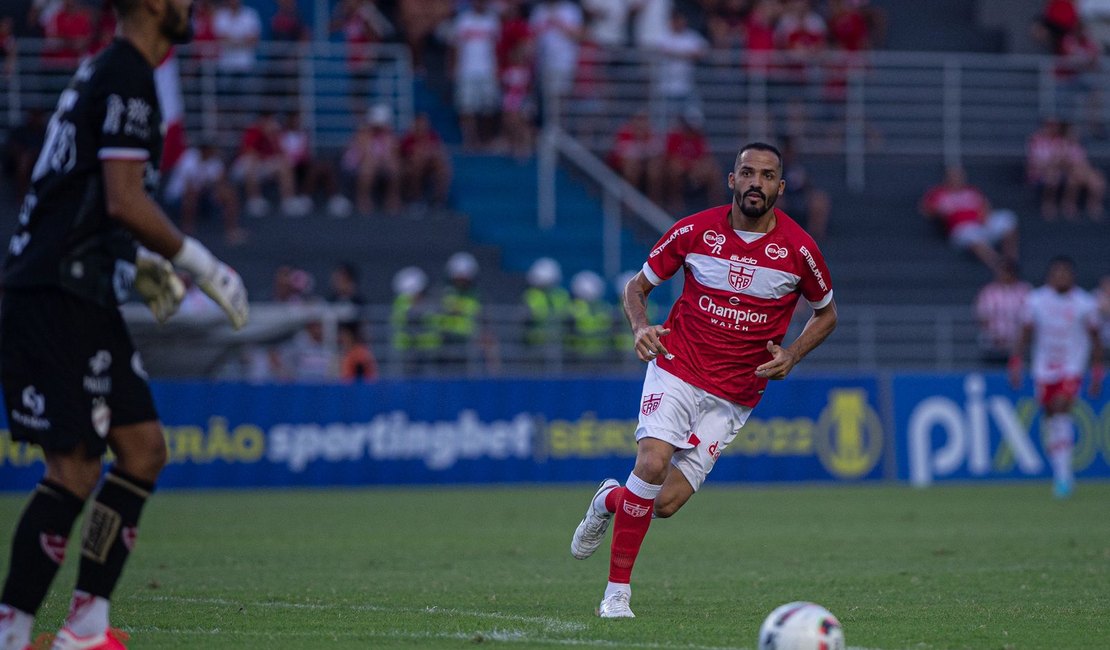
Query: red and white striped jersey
[736,297]
[1062,325]
[999,307]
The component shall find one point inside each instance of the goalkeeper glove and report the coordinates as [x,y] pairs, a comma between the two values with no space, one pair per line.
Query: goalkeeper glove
[218,280]
[157,284]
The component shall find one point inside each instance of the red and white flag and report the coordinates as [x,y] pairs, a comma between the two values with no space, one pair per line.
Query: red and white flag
[167,81]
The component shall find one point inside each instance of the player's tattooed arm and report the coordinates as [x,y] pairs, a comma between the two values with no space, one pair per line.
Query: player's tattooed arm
[783,360]
[648,343]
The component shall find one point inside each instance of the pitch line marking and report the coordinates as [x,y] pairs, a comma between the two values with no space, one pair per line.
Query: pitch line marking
[504,636]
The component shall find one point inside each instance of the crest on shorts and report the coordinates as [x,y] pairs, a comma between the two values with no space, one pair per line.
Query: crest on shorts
[101,417]
[650,403]
[740,276]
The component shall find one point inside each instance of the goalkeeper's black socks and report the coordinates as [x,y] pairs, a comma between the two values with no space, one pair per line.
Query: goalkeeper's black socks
[39,545]
[110,531]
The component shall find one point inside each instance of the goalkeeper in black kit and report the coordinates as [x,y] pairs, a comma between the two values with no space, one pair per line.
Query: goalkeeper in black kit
[73,382]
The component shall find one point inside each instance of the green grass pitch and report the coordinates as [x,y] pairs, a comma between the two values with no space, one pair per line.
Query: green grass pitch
[984,566]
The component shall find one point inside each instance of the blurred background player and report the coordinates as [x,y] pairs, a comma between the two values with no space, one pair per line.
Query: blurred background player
[998,309]
[1061,320]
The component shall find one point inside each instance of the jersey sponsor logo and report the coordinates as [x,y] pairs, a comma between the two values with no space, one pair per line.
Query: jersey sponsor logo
[53,547]
[96,383]
[35,403]
[813,267]
[731,317]
[775,252]
[123,277]
[674,235]
[650,403]
[113,115]
[138,118]
[100,362]
[744,260]
[714,241]
[634,509]
[740,277]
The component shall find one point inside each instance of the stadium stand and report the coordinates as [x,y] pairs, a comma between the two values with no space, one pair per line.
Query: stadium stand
[875,138]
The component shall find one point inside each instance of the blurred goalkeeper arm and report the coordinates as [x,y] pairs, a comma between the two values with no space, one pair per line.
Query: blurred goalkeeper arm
[128,202]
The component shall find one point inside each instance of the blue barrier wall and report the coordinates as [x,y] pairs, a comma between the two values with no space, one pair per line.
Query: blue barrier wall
[938,427]
[478,432]
[960,427]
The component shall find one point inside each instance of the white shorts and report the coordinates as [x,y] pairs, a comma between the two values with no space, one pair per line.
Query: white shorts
[997,225]
[477,94]
[698,424]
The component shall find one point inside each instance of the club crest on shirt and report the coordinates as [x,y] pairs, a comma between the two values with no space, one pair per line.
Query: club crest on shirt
[740,277]
[650,403]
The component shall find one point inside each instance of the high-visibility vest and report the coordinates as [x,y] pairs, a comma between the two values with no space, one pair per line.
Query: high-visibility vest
[548,310]
[458,316]
[413,325]
[591,326]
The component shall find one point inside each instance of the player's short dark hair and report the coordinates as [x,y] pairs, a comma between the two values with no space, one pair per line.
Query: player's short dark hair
[758,146]
[125,7]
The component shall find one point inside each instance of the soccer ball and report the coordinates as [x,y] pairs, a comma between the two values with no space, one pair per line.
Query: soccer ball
[801,626]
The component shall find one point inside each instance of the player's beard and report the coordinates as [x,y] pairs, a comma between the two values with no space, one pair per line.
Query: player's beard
[176,27]
[752,211]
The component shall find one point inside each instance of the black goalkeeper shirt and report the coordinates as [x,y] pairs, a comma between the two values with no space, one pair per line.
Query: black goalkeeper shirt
[65,238]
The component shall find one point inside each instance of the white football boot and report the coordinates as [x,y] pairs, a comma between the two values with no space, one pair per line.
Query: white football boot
[591,530]
[616,606]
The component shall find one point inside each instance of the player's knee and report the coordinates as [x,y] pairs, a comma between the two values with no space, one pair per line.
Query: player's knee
[665,509]
[651,469]
[144,454]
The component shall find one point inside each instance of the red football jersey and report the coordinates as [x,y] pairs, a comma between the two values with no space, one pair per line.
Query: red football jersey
[736,297]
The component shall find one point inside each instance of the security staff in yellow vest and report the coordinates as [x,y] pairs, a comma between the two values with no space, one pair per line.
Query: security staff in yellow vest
[459,310]
[416,340]
[546,307]
[590,336]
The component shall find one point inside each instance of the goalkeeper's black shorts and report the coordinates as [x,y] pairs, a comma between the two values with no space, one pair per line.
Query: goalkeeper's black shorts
[69,370]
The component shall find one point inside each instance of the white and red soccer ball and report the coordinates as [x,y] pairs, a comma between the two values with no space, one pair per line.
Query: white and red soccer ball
[801,626]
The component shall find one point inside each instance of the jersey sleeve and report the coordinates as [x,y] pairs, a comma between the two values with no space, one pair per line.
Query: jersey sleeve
[128,124]
[669,253]
[816,282]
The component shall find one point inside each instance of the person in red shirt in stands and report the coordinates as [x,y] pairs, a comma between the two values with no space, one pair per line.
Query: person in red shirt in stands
[68,34]
[424,163]
[262,159]
[636,155]
[688,163]
[965,214]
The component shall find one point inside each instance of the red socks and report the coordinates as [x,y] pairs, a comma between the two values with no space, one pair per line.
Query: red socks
[633,505]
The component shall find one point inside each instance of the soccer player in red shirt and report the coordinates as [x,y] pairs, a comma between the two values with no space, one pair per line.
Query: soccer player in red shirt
[746,265]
